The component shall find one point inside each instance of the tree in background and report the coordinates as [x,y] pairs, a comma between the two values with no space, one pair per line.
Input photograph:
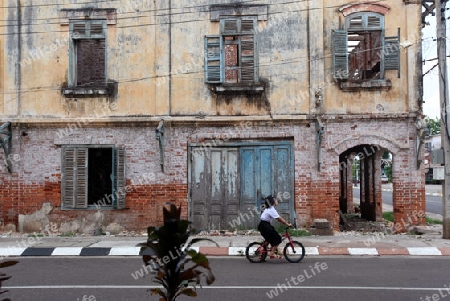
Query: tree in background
[386,165]
[434,125]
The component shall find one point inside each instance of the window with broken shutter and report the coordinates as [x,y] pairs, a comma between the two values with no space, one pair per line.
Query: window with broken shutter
[87,53]
[75,176]
[232,57]
[361,51]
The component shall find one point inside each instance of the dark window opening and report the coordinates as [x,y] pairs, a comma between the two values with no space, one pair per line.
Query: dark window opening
[100,169]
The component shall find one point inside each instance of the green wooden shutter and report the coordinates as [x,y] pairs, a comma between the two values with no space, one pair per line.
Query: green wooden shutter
[229,25]
[248,59]
[74,175]
[248,25]
[392,53]
[213,59]
[67,177]
[119,182]
[81,183]
[97,29]
[340,54]
[78,29]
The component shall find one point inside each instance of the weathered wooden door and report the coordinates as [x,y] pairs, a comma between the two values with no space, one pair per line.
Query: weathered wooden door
[266,170]
[227,182]
[214,187]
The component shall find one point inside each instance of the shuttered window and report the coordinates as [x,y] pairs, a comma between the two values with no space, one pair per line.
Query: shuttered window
[93,177]
[87,53]
[361,51]
[231,57]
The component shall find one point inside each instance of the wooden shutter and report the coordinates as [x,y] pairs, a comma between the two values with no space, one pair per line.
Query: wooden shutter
[74,175]
[392,53]
[81,183]
[67,177]
[340,54]
[213,59]
[248,59]
[229,25]
[78,29]
[97,29]
[119,178]
[248,25]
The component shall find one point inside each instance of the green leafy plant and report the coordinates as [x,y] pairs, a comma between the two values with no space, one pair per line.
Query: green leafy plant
[177,267]
[3,276]
[433,221]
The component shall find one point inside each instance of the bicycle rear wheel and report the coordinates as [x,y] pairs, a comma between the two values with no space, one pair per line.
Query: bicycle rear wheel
[295,254]
[256,252]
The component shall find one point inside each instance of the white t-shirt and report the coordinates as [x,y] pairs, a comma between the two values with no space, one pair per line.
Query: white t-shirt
[269,214]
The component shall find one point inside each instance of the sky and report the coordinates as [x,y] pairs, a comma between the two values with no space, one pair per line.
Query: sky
[431,107]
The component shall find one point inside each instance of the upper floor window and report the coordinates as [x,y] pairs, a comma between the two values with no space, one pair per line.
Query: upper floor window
[361,51]
[87,53]
[231,57]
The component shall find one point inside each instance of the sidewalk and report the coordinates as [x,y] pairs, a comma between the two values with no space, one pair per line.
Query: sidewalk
[346,243]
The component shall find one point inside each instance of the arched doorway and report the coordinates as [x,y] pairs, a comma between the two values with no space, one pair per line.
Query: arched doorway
[360,166]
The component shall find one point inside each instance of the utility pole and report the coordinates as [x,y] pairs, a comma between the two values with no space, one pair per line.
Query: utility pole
[443,95]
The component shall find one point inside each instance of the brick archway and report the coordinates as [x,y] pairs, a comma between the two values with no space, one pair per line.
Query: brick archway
[409,204]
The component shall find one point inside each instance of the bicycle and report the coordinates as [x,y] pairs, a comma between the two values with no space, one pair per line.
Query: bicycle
[293,251]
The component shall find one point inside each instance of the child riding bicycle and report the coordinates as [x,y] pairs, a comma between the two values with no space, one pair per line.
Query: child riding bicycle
[266,229]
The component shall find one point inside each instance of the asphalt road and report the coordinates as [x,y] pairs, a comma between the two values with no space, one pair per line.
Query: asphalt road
[315,278]
[434,203]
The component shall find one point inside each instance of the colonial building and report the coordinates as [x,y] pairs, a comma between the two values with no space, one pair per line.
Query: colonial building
[109,109]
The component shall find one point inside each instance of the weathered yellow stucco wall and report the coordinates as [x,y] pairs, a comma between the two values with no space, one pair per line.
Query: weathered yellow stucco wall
[160,69]
[2,58]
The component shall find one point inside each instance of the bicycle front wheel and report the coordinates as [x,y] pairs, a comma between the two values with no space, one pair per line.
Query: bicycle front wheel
[256,252]
[294,253]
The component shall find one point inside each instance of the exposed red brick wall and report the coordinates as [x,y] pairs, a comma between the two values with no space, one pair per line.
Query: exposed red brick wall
[36,178]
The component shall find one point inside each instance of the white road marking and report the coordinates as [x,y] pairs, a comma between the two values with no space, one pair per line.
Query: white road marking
[225,287]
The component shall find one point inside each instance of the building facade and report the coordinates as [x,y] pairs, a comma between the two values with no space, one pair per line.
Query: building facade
[109,109]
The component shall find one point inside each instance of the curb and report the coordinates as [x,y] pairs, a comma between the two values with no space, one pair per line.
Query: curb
[222,251]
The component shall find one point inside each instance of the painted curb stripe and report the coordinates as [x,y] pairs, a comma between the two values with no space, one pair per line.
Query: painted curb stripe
[38,252]
[124,251]
[67,251]
[312,250]
[11,251]
[95,252]
[230,251]
[424,251]
[363,251]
